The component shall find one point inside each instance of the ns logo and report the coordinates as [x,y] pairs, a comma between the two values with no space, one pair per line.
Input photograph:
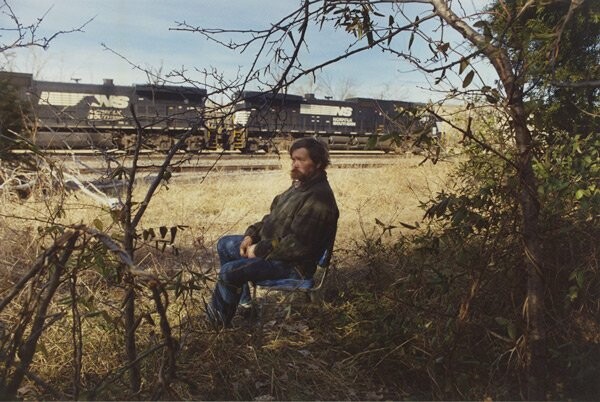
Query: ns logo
[344,111]
[114,101]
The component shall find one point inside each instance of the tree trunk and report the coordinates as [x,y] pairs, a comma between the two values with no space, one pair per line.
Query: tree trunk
[533,254]
[532,244]
[135,380]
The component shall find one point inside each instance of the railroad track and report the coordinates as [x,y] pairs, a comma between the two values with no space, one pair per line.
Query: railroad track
[91,170]
[90,164]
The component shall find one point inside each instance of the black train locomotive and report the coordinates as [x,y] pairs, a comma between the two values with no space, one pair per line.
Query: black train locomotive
[266,121]
[80,116]
[76,116]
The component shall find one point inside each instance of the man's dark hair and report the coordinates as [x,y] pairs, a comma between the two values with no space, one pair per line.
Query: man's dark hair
[317,150]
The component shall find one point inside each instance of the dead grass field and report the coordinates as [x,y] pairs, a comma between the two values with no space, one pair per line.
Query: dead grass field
[222,204]
[226,204]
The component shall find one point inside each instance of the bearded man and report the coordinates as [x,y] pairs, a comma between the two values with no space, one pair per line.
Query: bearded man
[288,242]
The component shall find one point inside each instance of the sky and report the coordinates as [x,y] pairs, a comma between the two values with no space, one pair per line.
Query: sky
[123,34]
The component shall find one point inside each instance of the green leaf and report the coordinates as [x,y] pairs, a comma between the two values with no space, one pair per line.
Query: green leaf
[444,47]
[98,224]
[579,278]
[92,314]
[491,99]
[370,39]
[464,63]
[292,38]
[163,231]
[480,24]
[573,293]
[411,40]
[468,79]
[512,330]
[108,319]
[579,194]
[42,348]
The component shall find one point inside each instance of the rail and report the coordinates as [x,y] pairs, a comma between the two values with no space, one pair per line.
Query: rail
[87,164]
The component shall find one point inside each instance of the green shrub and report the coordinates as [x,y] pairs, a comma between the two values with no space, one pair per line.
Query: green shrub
[453,312]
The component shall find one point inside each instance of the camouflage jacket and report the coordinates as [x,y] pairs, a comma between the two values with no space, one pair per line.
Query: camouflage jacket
[300,226]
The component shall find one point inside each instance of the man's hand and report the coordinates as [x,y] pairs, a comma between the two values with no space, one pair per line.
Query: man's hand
[251,251]
[245,245]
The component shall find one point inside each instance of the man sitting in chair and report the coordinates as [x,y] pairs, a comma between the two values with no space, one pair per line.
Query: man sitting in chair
[288,242]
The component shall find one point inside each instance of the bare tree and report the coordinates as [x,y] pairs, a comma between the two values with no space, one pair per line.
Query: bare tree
[337,88]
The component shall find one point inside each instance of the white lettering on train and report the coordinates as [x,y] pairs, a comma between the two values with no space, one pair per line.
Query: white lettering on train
[343,121]
[105,114]
[241,117]
[327,110]
[72,99]
[115,101]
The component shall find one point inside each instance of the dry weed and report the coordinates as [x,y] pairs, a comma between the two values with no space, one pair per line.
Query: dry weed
[280,359]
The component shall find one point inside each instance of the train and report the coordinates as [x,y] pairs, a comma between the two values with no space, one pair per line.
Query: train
[272,121]
[77,115]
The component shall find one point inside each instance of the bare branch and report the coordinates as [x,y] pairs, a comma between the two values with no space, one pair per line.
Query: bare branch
[23,36]
[577,84]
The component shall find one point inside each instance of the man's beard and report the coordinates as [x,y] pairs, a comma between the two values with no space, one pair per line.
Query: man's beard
[297,175]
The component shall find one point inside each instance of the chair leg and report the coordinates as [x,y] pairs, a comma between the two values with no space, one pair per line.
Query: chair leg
[255,311]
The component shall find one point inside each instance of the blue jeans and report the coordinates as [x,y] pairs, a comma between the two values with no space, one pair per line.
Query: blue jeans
[236,271]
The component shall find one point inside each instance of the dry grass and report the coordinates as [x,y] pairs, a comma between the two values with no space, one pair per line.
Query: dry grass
[279,359]
[226,204]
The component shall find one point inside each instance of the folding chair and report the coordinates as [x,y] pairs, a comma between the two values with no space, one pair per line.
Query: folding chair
[311,288]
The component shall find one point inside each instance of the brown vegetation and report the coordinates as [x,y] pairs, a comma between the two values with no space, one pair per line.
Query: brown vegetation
[310,355]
